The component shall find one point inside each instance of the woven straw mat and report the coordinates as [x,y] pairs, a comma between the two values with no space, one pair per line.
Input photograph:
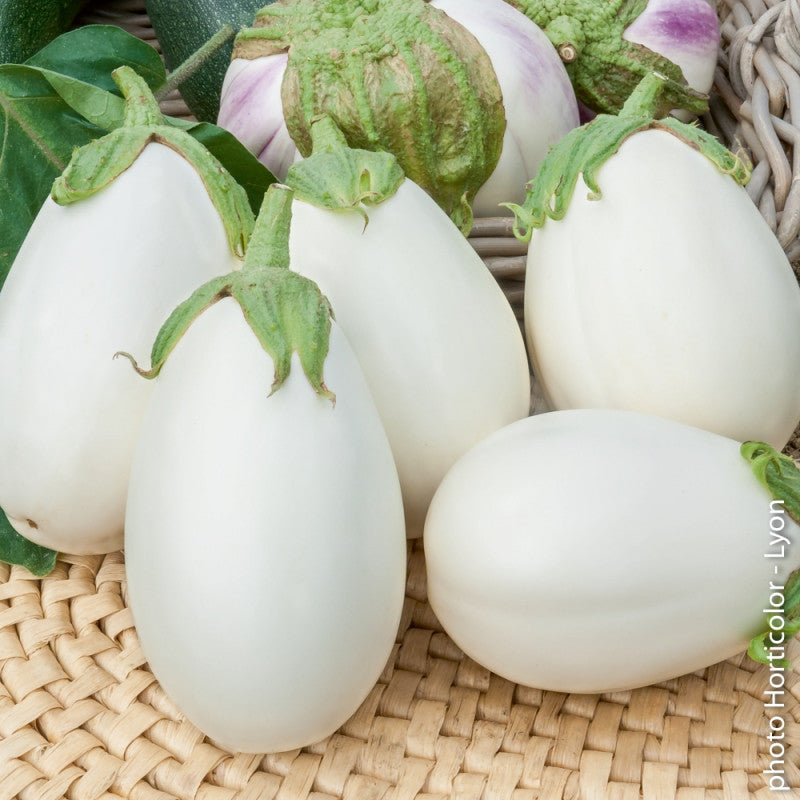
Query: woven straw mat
[82,717]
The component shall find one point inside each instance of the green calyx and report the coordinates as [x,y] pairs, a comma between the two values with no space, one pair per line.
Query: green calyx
[286,311]
[603,67]
[394,75]
[781,477]
[338,177]
[585,149]
[95,165]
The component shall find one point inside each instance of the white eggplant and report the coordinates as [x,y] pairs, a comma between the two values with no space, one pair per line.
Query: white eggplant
[265,549]
[93,277]
[439,344]
[597,550]
[658,287]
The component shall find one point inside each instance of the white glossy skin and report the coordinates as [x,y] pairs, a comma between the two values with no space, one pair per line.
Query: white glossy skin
[670,296]
[265,551]
[438,342]
[538,98]
[595,550]
[91,279]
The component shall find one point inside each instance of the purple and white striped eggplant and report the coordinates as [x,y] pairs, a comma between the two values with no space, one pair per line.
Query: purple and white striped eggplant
[538,99]
[251,109]
[684,31]
[394,76]
[609,47]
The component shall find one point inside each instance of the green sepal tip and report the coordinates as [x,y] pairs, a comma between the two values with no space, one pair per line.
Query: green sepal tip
[286,311]
[781,477]
[338,177]
[585,149]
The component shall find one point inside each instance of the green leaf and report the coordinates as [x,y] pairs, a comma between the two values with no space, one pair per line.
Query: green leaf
[91,53]
[16,549]
[64,97]
[39,128]
[245,168]
[38,132]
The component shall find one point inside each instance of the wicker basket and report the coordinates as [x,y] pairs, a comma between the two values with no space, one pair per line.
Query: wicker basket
[82,717]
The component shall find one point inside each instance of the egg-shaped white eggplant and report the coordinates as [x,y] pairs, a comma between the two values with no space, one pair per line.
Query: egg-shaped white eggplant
[593,550]
[436,337]
[658,286]
[97,273]
[264,543]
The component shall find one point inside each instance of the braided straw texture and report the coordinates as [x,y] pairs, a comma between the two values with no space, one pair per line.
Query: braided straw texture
[82,717]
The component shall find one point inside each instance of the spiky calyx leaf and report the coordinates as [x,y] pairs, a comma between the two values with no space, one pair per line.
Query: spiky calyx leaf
[338,177]
[780,475]
[286,311]
[394,75]
[585,149]
[603,66]
[95,165]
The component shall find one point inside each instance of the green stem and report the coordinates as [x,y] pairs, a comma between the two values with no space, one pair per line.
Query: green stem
[269,242]
[196,60]
[141,108]
[326,134]
[781,477]
[647,100]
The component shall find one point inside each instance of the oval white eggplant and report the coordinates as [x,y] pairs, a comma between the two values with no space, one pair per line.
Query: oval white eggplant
[599,550]
[265,550]
[669,295]
[93,278]
[437,340]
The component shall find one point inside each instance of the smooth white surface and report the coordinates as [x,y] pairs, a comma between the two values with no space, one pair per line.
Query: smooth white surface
[265,550]
[596,550]
[437,340]
[93,278]
[670,296]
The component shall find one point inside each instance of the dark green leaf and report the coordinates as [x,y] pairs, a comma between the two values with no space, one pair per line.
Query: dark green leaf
[246,169]
[16,549]
[39,127]
[38,132]
[91,53]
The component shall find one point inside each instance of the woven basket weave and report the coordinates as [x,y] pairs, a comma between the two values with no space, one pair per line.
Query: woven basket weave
[82,717]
